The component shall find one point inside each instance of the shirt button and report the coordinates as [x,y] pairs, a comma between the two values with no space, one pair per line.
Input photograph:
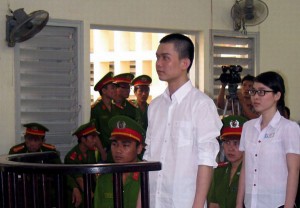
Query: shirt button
[255,170]
[254,185]
[255,155]
[259,141]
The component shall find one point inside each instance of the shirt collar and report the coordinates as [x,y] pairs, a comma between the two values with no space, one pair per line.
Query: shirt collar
[180,93]
[273,123]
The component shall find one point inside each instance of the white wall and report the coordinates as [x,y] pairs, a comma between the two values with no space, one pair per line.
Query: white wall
[279,47]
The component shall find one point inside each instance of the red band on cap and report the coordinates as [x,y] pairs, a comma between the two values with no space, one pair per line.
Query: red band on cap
[35,132]
[86,131]
[104,82]
[122,80]
[231,131]
[128,133]
[141,83]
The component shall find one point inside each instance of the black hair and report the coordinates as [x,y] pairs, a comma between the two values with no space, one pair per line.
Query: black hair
[274,81]
[135,88]
[248,77]
[104,87]
[182,44]
[288,112]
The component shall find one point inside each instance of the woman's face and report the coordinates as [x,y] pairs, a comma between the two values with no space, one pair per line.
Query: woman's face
[266,102]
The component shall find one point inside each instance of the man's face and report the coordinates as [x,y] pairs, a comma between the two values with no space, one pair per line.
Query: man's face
[110,90]
[33,142]
[142,93]
[125,150]
[168,65]
[90,141]
[231,148]
[246,86]
[123,90]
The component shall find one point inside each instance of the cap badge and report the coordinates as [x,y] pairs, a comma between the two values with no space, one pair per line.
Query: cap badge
[121,124]
[144,79]
[35,128]
[234,124]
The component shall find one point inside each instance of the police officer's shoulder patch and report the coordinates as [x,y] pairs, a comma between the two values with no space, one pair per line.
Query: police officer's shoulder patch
[94,104]
[49,146]
[118,106]
[222,164]
[18,148]
[132,103]
[73,155]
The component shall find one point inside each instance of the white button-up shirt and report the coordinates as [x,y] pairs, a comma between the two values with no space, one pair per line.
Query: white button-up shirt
[181,134]
[265,159]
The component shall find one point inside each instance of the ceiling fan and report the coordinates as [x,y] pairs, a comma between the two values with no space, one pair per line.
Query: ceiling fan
[248,13]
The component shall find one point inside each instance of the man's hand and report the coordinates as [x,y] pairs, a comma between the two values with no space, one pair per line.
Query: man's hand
[76,197]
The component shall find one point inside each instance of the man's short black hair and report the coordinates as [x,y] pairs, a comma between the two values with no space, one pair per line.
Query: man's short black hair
[248,77]
[183,45]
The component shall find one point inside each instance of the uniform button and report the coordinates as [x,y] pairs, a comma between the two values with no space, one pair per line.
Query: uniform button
[255,170]
[259,141]
[254,185]
[255,155]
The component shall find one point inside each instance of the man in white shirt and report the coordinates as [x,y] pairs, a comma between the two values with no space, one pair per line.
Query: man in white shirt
[182,130]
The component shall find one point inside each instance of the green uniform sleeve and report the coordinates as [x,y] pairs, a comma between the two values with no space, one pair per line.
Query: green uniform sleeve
[211,197]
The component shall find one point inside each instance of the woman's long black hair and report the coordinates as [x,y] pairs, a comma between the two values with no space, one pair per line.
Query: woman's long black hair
[275,82]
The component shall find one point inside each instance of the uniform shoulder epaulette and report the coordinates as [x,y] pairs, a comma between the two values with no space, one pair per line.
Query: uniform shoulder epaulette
[94,104]
[18,148]
[132,103]
[222,164]
[49,146]
[135,176]
[118,106]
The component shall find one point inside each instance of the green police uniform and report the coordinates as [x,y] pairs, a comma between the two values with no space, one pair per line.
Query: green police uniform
[76,156]
[142,83]
[104,191]
[223,192]
[100,113]
[128,108]
[36,131]
[121,126]
[21,148]
[142,116]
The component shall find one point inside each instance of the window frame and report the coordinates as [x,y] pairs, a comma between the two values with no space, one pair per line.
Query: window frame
[78,25]
[215,86]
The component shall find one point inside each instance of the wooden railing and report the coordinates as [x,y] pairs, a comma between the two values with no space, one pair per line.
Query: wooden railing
[24,180]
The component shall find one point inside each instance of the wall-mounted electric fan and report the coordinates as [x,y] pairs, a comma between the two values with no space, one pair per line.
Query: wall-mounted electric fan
[21,27]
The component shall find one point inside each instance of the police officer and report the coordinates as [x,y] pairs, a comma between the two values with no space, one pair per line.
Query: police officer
[224,186]
[127,138]
[35,142]
[141,91]
[102,111]
[121,104]
[82,153]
